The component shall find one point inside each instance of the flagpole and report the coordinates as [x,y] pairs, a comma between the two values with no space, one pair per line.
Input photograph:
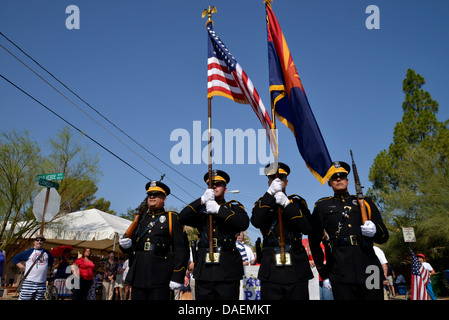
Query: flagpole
[211,219]
[276,164]
[209,12]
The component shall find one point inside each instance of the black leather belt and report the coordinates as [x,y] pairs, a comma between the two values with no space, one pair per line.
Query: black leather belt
[158,246]
[225,244]
[351,240]
[295,245]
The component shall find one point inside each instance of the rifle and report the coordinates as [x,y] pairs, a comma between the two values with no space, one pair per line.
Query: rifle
[138,213]
[358,191]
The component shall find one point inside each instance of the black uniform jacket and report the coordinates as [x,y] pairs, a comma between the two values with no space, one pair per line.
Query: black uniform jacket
[231,219]
[296,222]
[350,253]
[160,251]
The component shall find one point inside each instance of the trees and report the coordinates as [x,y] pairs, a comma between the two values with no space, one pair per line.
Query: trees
[19,164]
[21,161]
[410,179]
[80,170]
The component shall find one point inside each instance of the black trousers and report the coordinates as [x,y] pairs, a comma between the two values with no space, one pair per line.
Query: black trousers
[160,293]
[217,290]
[83,290]
[349,291]
[278,291]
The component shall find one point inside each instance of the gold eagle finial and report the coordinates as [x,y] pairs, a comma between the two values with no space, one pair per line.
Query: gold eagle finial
[209,12]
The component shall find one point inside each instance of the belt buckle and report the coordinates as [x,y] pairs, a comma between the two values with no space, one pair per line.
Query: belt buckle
[287,262]
[353,239]
[216,256]
[147,246]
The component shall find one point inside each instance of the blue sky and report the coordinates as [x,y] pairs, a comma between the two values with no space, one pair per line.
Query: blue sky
[142,64]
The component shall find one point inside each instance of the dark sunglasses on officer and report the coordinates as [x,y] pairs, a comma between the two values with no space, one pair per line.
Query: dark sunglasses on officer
[341,175]
[156,194]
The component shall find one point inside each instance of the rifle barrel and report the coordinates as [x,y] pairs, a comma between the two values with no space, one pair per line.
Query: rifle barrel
[359,192]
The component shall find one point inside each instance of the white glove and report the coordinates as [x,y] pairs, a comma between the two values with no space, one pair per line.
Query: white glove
[175,285]
[368,229]
[275,186]
[125,243]
[327,284]
[281,199]
[212,207]
[209,194]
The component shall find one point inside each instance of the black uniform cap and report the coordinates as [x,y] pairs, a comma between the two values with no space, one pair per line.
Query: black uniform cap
[283,169]
[157,186]
[341,167]
[217,175]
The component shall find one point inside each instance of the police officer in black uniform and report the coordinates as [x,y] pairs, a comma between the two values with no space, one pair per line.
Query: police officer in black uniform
[279,280]
[158,249]
[219,277]
[352,270]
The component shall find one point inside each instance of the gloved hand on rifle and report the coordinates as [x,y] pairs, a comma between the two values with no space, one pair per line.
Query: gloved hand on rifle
[125,243]
[368,229]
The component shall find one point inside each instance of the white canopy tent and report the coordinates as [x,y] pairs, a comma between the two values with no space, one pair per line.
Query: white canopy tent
[94,229]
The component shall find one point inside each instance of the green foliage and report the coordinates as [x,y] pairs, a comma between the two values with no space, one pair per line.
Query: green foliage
[21,161]
[410,179]
[19,164]
[103,205]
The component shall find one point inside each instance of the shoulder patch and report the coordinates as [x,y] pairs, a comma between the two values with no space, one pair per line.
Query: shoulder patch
[325,198]
[235,203]
[295,197]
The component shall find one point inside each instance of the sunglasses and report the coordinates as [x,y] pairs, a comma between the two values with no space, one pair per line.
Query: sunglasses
[340,175]
[155,194]
[39,240]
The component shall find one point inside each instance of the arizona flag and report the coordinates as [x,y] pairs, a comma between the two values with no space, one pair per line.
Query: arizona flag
[291,105]
[226,78]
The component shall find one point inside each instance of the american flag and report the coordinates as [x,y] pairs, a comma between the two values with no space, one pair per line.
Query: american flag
[420,279]
[226,78]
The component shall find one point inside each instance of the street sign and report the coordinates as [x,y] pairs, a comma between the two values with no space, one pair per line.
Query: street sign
[52,206]
[51,176]
[409,234]
[48,184]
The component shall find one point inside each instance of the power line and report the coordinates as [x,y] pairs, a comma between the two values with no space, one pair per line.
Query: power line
[80,131]
[110,122]
[95,111]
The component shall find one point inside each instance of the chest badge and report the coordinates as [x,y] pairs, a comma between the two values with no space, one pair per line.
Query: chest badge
[162,219]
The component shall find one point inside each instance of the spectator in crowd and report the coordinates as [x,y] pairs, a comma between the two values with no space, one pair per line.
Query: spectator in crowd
[247,253]
[119,289]
[63,271]
[432,272]
[83,268]
[384,263]
[2,260]
[127,287]
[38,262]
[109,275]
[390,278]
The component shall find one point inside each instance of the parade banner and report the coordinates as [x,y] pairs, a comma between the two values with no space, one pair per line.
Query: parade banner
[250,285]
